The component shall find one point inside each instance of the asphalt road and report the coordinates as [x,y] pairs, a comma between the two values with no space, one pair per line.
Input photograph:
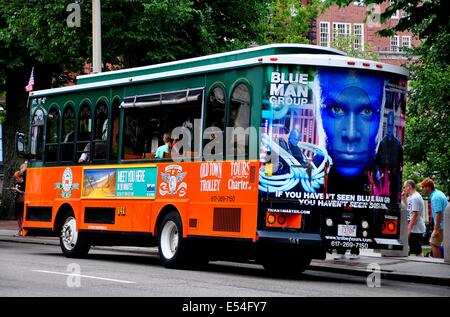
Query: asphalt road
[41,270]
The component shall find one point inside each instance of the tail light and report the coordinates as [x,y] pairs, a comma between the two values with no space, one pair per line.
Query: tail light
[282,220]
[389,226]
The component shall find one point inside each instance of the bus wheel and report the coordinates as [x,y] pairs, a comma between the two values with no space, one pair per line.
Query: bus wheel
[171,245]
[73,244]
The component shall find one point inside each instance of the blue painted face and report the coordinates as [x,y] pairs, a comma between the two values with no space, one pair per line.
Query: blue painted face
[351,118]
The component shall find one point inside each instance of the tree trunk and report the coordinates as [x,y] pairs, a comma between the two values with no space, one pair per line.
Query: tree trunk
[16,119]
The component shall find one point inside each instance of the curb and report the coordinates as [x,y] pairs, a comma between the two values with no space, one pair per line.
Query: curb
[56,243]
[388,275]
[28,240]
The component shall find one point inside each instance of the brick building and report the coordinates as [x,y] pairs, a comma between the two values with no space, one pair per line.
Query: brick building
[352,20]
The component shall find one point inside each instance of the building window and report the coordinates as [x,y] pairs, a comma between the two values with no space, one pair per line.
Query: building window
[406,41]
[341,30]
[394,43]
[358,30]
[325,34]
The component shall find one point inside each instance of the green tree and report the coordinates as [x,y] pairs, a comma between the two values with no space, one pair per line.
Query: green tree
[289,21]
[347,45]
[34,33]
[153,31]
[427,145]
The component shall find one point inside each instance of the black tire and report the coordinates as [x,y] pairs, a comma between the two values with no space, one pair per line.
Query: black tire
[73,244]
[171,255]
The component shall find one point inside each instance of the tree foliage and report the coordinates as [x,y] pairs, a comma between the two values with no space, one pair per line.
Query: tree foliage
[152,31]
[347,45]
[289,21]
[34,33]
[427,143]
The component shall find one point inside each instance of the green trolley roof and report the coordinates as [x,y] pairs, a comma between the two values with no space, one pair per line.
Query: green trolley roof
[233,56]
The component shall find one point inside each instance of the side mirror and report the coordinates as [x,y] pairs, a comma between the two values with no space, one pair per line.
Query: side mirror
[21,145]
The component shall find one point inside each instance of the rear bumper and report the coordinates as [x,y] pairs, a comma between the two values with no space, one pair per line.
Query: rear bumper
[292,238]
[316,240]
[310,244]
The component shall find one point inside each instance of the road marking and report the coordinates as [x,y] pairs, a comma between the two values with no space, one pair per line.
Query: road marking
[86,276]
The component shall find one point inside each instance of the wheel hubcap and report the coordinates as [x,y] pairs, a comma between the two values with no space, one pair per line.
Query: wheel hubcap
[169,239]
[69,234]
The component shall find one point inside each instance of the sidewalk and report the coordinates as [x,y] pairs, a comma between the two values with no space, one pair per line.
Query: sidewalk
[409,269]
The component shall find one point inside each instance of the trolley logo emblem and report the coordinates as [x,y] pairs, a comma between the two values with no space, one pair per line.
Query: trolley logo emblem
[172,184]
[67,185]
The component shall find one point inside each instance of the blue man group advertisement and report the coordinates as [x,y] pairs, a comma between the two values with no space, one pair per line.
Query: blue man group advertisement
[332,137]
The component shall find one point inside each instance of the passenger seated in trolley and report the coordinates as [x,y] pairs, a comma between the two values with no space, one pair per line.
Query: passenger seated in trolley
[85,155]
[160,151]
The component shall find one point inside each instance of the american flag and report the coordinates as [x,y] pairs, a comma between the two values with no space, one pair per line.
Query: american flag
[30,85]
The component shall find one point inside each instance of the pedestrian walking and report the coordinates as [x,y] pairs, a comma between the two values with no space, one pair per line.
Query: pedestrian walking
[438,204]
[416,223]
[18,191]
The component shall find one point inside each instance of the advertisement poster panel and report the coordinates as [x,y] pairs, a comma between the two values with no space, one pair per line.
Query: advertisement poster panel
[133,182]
[332,137]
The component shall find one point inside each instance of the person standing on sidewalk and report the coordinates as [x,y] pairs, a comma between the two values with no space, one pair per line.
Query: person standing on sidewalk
[19,191]
[23,169]
[438,204]
[416,224]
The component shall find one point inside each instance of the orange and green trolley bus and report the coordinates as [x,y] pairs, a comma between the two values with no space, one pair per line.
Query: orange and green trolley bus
[275,154]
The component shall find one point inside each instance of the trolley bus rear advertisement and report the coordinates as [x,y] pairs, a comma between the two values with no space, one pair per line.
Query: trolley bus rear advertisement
[331,144]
